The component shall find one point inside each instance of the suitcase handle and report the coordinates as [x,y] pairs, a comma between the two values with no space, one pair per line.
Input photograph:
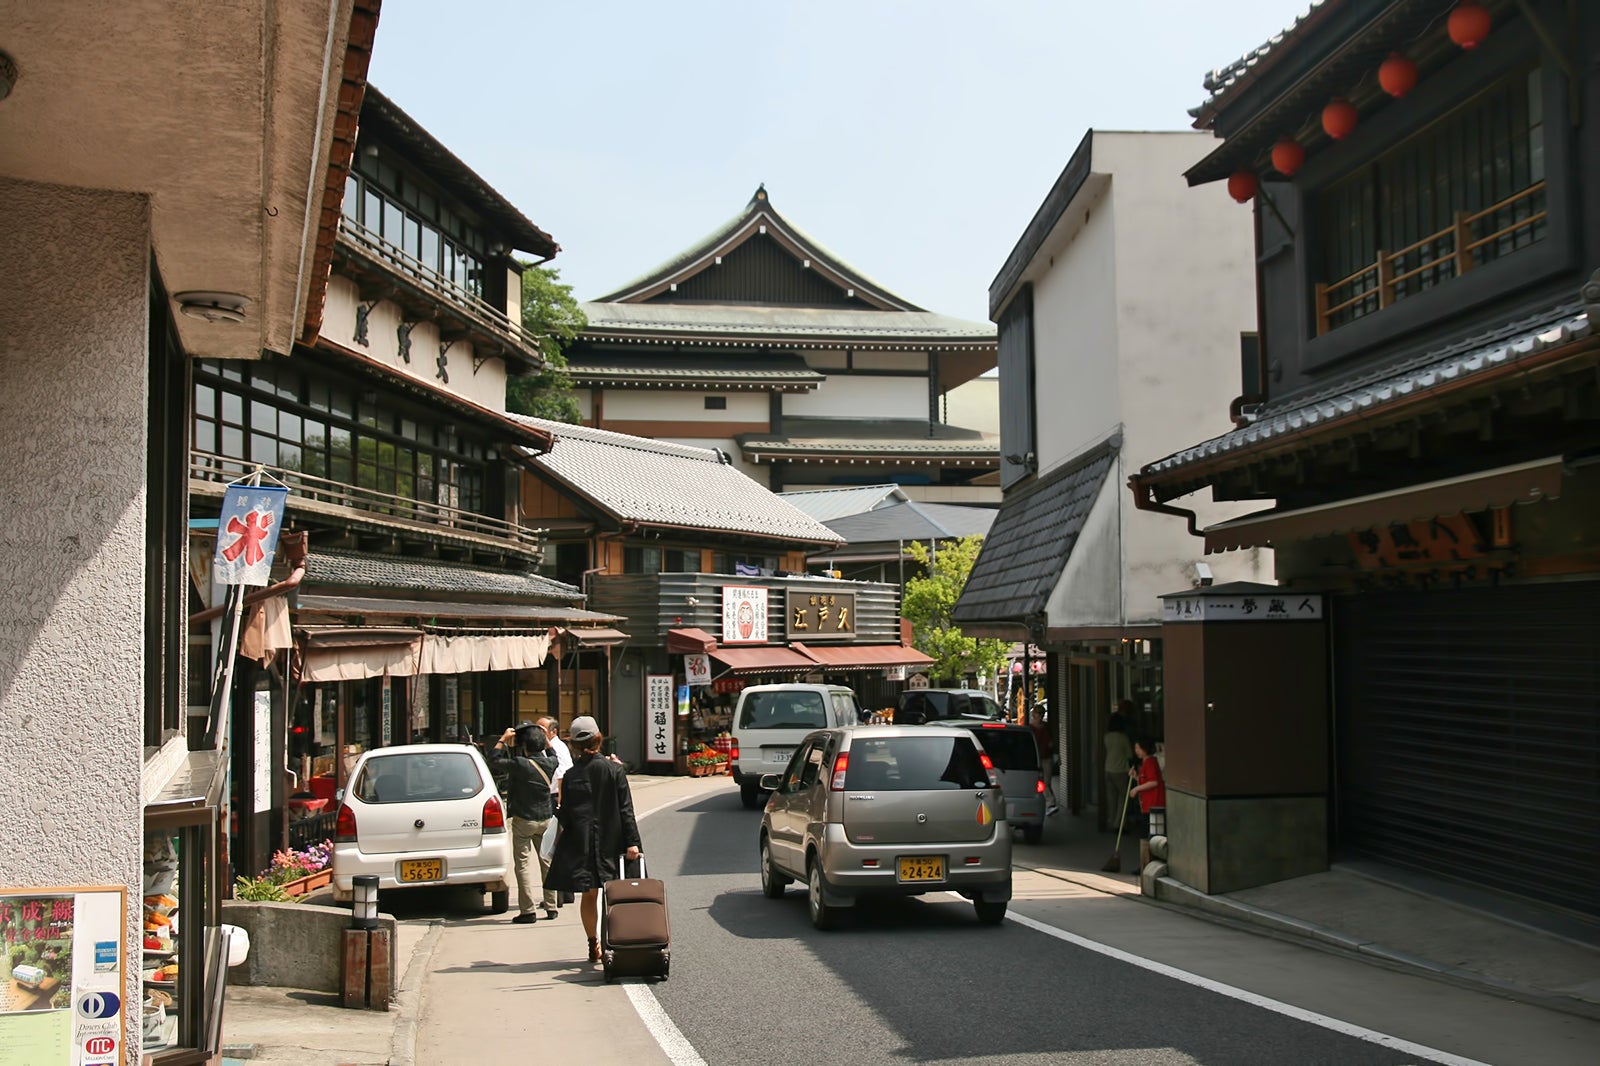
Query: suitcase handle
[622,866]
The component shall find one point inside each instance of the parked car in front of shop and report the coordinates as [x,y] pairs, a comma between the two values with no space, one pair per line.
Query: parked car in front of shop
[915,706]
[1015,752]
[887,810]
[421,815]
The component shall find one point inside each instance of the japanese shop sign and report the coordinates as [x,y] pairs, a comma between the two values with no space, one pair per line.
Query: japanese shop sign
[744,614]
[697,669]
[658,723]
[1282,605]
[1439,541]
[61,993]
[811,616]
[247,534]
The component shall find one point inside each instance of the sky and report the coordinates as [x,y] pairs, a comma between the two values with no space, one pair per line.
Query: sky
[913,139]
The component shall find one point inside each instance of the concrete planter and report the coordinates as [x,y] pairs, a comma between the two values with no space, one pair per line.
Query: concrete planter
[294,945]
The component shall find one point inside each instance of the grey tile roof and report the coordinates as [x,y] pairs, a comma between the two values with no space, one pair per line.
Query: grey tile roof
[808,327]
[1030,541]
[379,607]
[914,520]
[758,369]
[827,504]
[871,437]
[331,568]
[659,483]
[1359,397]
[1224,79]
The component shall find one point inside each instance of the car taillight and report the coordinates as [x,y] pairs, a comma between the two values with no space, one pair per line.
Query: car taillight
[344,828]
[733,751]
[993,725]
[988,768]
[494,815]
[1038,786]
[840,765]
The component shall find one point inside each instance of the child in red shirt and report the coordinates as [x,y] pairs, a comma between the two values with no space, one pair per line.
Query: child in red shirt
[1152,792]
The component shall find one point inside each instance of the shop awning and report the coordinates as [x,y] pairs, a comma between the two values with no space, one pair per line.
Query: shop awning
[763,660]
[377,607]
[863,656]
[690,642]
[1522,483]
[593,638]
[475,652]
[355,653]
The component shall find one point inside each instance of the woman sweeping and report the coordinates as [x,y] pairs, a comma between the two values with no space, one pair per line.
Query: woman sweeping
[597,825]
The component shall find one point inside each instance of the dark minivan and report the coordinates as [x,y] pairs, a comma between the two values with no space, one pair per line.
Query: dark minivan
[918,705]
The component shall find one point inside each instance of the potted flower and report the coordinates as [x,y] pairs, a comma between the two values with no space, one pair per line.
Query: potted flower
[704,760]
[299,872]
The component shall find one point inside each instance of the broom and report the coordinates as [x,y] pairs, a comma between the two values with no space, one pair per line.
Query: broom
[1114,864]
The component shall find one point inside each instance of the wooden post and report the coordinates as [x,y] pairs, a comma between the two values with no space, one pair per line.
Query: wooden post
[353,968]
[1463,234]
[1385,279]
[1322,308]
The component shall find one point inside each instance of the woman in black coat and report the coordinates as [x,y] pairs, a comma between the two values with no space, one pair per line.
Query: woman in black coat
[597,825]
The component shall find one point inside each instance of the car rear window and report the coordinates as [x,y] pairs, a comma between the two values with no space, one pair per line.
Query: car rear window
[914,764]
[418,776]
[1010,749]
[783,710]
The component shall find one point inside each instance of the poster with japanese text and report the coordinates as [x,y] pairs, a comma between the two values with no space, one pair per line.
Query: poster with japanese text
[658,722]
[744,614]
[61,990]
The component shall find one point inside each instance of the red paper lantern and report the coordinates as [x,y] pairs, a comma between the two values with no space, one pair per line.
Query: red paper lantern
[1242,185]
[1288,156]
[1397,75]
[1339,118]
[1469,24]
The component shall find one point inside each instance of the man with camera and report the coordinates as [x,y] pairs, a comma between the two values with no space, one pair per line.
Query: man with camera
[523,755]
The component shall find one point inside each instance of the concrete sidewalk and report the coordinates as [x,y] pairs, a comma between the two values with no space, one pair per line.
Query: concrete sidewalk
[1380,915]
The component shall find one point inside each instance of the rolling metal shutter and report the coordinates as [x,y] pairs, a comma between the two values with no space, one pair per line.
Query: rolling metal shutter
[1467,735]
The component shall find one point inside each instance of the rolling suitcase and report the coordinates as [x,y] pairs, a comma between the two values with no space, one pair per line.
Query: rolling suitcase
[635,936]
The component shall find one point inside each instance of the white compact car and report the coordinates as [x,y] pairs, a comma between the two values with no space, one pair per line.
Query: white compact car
[771,721]
[423,814]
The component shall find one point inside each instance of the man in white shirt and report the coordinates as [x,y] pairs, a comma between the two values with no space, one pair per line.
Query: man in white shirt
[557,745]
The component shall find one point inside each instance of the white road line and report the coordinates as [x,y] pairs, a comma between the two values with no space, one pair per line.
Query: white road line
[673,1043]
[1255,1000]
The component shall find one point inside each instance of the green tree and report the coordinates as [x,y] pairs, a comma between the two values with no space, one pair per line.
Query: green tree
[550,313]
[930,602]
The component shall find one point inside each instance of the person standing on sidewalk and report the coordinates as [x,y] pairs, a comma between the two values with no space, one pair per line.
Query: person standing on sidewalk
[597,825]
[1151,788]
[558,747]
[1118,745]
[522,753]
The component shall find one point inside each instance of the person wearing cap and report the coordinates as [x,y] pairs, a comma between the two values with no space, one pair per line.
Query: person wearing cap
[597,825]
[530,772]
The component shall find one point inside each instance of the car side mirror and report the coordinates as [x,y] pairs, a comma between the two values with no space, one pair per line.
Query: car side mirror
[769,782]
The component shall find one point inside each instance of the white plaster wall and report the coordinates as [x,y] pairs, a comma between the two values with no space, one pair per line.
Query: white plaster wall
[822,359]
[1185,287]
[1075,334]
[862,396]
[585,398]
[513,296]
[485,387]
[72,495]
[969,494]
[1089,590]
[731,447]
[684,405]
[891,361]
[975,405]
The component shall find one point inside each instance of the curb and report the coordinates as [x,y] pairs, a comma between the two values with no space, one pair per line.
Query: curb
[408,1000]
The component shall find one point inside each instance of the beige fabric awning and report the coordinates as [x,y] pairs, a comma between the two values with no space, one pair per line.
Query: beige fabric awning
[471,653]
[352,654]
[355,662]
[1522,483]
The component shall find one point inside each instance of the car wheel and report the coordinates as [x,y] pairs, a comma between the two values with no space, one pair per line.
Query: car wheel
[822,915]
[750,794]
[1032,834]
[500,902]
[990,912]
[772,882]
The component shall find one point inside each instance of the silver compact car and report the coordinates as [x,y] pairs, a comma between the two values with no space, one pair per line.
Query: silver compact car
[887,810]
[1016,756]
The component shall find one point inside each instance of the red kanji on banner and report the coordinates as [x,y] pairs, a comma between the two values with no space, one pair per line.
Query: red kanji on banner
[251,532]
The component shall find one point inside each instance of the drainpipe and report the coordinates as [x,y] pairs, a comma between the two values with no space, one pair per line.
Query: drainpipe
[1144,500]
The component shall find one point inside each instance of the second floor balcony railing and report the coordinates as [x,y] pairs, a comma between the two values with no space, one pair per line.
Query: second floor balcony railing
[476,314]
[1470,240]
[392,509]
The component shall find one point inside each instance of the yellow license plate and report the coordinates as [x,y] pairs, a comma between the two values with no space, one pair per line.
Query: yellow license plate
[922,869]
[422,870]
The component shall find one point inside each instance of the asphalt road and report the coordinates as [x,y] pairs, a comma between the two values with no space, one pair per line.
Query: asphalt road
[1072,976]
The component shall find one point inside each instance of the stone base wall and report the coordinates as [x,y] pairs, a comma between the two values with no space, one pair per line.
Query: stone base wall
[295,945]
[1223,845]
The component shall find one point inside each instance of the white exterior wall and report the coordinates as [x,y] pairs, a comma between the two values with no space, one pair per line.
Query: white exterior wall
[729,446]
[891,361]
[684,405]
[1185,271]
[486,387]
[861,396]
[1076,402]
[975,405]
[73,356]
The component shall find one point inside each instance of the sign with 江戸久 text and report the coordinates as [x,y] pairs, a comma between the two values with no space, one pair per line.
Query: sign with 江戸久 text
[819,616]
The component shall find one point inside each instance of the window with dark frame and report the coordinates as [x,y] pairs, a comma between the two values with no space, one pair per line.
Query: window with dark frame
[716,403]
[1465,191]
[389,202]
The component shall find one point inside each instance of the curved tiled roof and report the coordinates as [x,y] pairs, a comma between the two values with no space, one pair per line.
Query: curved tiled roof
[764,370]
[652,482]
[876,438]
[1361,396]
[810,327]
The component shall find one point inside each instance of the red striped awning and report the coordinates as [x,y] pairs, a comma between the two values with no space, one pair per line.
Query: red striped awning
[768,659]
[863,656]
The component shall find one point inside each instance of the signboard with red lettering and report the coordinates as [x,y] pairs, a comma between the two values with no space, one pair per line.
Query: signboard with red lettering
[247,533]
[658,720]
[62,986]
[744,614]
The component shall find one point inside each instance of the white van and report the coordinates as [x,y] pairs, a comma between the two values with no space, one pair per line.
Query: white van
[770,721]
